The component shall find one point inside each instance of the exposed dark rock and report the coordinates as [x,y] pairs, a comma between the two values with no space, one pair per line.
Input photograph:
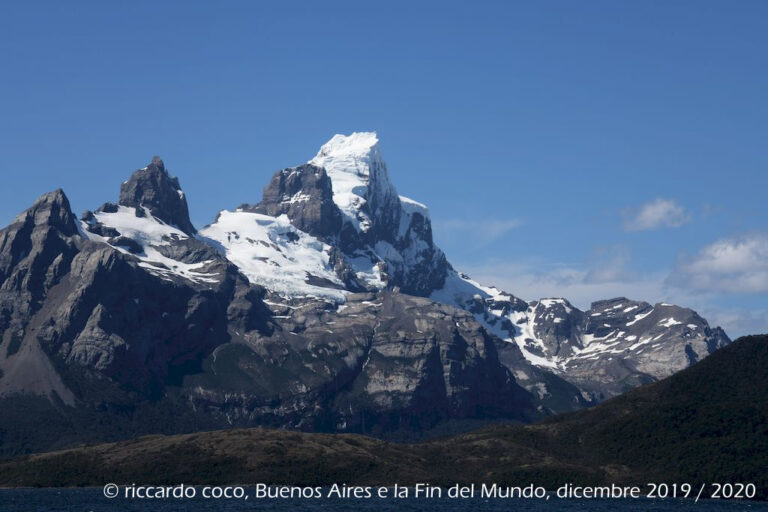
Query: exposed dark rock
[108,208]
[127,243]
[153,188]
[88,324]
[387,364]
[305,195]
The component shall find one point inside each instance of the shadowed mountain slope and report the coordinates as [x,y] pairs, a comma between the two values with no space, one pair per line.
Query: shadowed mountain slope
[708,423]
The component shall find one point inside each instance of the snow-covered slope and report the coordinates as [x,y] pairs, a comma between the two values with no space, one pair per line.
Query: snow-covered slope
[383,240]
[361,186]
[273,253]
[150,223]
[137,232]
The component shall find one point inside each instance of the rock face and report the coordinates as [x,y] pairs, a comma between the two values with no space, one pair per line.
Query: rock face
[325,306]
[625,442]
[154,189]
[36,253]
[380,363]
[614,346]
[621,344]
[71,299]
[305,195]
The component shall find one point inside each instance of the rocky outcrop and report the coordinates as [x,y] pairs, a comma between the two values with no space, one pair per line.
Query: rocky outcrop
[625,343]
[154,189]
[305,195]
[382,363]
[36,254]
[35,251]
[70,302]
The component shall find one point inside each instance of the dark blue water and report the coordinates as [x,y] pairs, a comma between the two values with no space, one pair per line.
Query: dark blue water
[93,500]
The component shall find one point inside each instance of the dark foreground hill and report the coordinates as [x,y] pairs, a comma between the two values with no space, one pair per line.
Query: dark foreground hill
[708,423]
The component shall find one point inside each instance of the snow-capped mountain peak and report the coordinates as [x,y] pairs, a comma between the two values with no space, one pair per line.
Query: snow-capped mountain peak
[361,186]
[353,231]
[352,153]
[360,234]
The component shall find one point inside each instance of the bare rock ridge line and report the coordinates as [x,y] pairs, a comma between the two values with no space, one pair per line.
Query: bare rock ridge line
[325,306]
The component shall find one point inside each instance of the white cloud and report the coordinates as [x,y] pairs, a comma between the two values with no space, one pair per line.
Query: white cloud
[477,231]
[606,278]
[732,265]
[737,322]
[656,214]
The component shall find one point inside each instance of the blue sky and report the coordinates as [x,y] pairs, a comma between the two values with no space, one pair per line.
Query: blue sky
[580,149]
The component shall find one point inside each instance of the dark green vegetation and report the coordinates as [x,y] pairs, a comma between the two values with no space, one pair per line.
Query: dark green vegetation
[708,423]
[27,423]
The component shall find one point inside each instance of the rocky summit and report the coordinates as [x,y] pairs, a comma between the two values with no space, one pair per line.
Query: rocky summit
[324,305]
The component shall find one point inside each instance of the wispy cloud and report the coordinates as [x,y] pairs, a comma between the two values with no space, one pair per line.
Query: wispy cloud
[605,275]
[482,231]
[609,265]
[571,283]
[737,322]
[656,214]
[731,265]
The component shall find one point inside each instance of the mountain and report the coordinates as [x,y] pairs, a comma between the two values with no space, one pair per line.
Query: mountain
[325,306]
[706,424]
[614,346]
[355,232]
[127,322]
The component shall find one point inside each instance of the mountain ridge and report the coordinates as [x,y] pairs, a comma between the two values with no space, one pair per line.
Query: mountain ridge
[272,314]
[417,266]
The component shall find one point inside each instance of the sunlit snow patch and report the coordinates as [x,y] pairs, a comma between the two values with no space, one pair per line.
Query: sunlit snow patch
[358,175]
[274,254]
[150,233]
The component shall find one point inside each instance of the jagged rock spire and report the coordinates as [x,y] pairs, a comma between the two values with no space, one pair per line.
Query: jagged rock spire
[153,188]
